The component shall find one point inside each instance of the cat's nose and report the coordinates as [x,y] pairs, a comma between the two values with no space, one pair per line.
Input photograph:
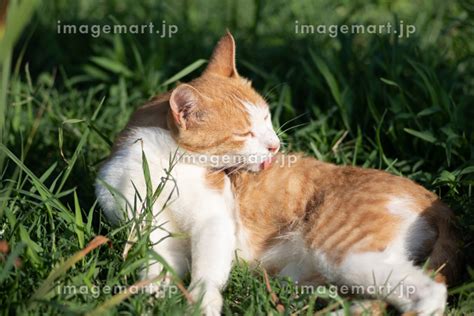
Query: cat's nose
[273,148]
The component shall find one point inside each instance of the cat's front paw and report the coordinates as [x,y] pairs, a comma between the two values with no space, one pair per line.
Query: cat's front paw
[158,289]
[209,299]
[161,282]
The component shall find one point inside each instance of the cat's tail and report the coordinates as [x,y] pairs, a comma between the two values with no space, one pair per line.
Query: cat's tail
[446,257]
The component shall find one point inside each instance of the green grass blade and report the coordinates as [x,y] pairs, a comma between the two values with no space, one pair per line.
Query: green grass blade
[186,71]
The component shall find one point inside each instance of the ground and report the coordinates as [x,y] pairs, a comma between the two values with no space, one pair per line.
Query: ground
[404,105]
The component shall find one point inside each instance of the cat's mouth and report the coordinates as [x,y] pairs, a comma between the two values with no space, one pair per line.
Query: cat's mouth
[267,163]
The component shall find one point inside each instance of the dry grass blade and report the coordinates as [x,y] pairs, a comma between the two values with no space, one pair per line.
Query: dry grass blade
[185,292]
[131,239]
[280,308]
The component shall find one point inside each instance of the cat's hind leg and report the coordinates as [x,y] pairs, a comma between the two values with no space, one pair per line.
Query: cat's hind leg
[395,280]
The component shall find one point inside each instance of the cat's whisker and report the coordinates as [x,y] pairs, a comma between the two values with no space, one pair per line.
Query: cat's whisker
[290,128]
[226,167]
[290,120]
[236,169]
[223,168]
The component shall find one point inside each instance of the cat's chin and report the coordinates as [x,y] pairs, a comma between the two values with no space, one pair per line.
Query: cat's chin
[255,167]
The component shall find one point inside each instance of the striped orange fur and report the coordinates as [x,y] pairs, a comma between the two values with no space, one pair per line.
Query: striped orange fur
[339,210]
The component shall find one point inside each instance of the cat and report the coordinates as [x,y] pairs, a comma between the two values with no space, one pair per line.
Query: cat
[214,122]
[312,221]
[320,223]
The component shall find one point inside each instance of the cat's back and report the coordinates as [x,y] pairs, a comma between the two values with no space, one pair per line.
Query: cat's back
[338,209]
[151,115]
[146,134]
[298,187]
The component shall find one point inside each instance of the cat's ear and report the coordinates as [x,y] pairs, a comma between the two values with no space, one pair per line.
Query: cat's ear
[222,61]
[184,103]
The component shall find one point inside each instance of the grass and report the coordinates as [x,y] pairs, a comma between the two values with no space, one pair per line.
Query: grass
[402,105]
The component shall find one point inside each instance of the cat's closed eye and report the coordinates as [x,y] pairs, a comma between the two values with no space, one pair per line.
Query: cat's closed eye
[244,134]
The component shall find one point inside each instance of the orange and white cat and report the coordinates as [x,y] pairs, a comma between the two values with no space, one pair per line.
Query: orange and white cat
[312,221]
[214,122]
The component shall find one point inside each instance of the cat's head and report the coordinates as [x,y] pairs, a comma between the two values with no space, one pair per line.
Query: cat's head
[219,116]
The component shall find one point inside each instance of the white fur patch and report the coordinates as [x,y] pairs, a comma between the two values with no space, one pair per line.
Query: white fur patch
[204,215]
[291,257]
[256,148]
[261,124]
